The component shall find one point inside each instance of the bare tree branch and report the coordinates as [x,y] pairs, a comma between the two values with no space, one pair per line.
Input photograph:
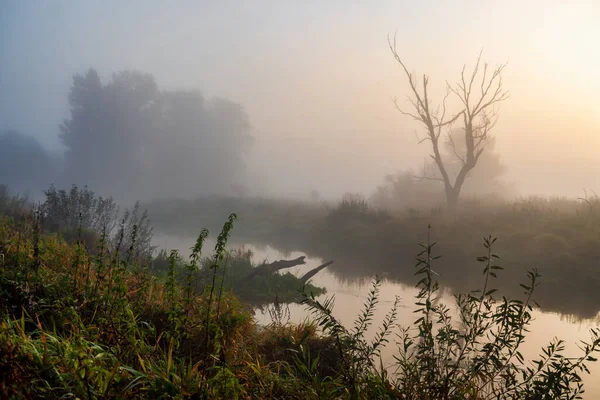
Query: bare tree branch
[428,178]
[478,112]
[453,147]
[592,202]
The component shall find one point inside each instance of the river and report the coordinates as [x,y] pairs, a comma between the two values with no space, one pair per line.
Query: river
[350,296]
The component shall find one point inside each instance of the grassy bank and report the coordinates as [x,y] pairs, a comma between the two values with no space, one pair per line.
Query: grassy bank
[94,317]
[559,236]
[76,325]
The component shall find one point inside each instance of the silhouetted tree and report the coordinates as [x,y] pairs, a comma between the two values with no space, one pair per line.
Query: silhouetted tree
[106,129]
[196,145]
[478,95]
[129,139]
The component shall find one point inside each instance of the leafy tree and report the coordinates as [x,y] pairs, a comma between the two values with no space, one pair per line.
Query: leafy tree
[129,139]
[105,129]
[195,145]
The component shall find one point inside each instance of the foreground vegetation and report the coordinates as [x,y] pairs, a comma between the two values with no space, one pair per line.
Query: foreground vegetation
[76,323]
[257,290]
[83,326]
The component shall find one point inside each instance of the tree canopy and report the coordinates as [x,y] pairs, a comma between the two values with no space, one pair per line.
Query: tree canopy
[128,138]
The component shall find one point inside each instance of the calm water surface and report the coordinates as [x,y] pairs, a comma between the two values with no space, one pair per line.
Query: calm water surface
[351,296]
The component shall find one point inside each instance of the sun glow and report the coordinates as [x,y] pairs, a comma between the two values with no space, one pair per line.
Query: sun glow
[568,41]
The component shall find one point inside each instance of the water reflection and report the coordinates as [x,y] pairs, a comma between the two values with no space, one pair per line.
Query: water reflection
[351,291]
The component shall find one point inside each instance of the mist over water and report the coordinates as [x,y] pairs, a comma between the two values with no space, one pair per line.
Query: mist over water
[345,131]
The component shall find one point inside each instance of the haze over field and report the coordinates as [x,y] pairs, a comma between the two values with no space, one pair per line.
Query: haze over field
[315,79]
[186,188]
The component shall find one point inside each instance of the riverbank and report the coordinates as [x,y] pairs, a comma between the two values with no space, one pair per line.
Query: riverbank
[98,324]
[560,237]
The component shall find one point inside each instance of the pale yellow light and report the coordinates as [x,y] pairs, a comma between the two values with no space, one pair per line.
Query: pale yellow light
[569,43]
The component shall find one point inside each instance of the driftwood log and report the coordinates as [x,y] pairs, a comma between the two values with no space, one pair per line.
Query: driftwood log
[268,269]
[314,271]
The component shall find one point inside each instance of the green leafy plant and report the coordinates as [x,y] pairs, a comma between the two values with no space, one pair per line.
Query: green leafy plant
[479,358]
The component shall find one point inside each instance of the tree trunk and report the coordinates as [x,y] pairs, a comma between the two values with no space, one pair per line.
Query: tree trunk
[452,194]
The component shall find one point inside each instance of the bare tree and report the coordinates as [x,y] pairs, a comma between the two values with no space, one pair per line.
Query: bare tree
[478,95]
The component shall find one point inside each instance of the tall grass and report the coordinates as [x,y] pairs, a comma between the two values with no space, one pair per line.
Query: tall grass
[96,324]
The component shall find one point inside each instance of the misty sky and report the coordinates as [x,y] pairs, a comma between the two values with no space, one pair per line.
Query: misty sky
[316,77]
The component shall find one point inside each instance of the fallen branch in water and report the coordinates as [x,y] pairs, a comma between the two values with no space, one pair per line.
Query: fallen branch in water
[314,271]
[268,269]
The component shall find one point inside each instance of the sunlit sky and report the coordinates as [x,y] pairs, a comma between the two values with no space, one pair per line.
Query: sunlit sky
[316,77]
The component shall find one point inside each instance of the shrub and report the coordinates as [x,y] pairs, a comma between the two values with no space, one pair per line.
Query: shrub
[12,205]
[477,358]
[80,210]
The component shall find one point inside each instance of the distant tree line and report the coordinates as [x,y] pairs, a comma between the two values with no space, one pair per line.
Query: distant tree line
[129,139]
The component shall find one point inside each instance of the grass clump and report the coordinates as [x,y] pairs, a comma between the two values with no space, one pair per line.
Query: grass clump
[96,326]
